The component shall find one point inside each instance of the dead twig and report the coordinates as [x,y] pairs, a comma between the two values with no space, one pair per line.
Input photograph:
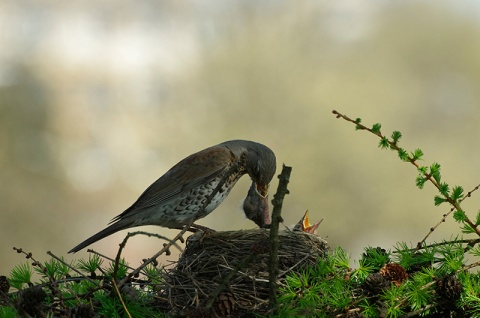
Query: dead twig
[274,242]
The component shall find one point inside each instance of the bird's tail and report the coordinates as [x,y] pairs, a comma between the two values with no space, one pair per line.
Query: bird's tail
[115,227]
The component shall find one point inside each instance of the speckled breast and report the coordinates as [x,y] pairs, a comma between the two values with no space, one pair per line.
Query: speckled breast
[188,206]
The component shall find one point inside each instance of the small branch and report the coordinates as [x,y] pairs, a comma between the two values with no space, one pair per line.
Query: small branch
[413,161]
[274,242]
[154,257]
[467,267]
[444,218]
[124,243]
[120,296]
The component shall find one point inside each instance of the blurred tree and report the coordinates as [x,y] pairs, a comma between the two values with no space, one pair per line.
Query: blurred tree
[29,172]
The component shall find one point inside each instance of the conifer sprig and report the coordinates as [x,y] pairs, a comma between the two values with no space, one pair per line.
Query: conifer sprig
[454,196]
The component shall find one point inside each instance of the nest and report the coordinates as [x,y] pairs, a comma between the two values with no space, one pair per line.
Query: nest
[229,271]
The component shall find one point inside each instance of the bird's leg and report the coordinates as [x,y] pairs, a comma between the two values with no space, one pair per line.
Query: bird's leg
[200,232]
[202,228]
[194,228]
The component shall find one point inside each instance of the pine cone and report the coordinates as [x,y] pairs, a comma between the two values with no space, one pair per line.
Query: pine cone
[449,288]
[4,284]
[225,303]
[31,300]
[394,273]
[376,283]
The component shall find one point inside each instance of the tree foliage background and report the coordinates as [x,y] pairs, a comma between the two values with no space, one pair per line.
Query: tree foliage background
[98,99]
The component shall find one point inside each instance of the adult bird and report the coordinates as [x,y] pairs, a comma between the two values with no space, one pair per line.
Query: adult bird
[177,198]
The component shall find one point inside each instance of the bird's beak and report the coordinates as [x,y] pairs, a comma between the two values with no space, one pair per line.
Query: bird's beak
[261,189]
[304,225]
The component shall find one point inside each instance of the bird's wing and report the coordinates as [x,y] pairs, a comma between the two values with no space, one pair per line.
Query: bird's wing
[189,173]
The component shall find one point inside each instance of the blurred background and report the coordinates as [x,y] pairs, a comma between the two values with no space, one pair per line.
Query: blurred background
[100,98]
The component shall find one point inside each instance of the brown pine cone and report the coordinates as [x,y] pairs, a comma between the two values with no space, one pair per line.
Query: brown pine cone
[394,273]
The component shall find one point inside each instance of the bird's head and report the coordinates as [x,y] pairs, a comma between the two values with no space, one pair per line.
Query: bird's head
[261,164]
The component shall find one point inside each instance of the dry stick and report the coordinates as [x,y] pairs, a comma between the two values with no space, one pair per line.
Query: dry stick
[467,267]
[124,243]
[277,202]
[207,201]
[120,296]
[247,260]
[469,242]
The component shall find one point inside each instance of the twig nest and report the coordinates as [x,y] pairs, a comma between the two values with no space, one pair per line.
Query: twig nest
[234,265]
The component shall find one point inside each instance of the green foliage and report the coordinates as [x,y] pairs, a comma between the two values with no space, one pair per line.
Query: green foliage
[477,219]
[113,307]
[324,288]
[459,216]
[435,172]
[53,269]
[8,312]
[368,308]
[438,200]
[153,274]
[358,126]
[475,251]
[416,155]
[392,299]
[341,259]
[396,135]
[91,265]
[63,291]
[363,270]
[331,288]
[468,229]
[419,296]
[376,128]
[436,271]
[443,188]
[422,280]
[452,256]
[470,297]
[420,181]
[375,257]
[21,275]
[384,143]
[413,260]
[457,193]
[402,154]
[122,269]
